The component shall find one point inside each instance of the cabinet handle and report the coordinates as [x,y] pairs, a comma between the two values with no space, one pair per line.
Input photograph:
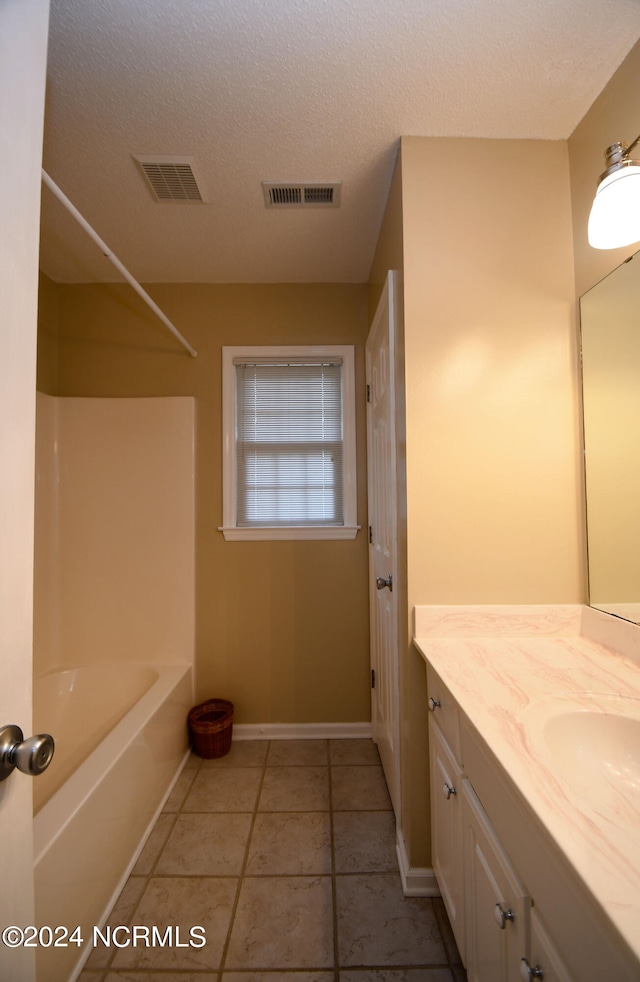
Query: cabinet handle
[502,916]
[448,790]
[527,972]
[434,704]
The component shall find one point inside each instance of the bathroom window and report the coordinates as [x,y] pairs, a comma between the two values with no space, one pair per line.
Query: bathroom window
[289,446]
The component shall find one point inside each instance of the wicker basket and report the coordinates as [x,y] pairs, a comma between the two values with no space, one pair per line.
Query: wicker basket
[210,726]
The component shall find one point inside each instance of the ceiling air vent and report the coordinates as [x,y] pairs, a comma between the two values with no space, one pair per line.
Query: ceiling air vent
[301,195]
[170,178]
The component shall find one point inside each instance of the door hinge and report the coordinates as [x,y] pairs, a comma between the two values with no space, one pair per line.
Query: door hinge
[368,393]
[373,678]
[371,533]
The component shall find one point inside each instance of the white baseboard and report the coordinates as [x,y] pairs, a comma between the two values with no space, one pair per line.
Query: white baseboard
[417,881]
[302,731]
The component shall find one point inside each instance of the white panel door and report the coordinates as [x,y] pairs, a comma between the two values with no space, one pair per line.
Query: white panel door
[383,550]
[23,46]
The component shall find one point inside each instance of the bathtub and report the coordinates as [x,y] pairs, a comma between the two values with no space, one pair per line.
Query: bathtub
[79,706]
[121,739]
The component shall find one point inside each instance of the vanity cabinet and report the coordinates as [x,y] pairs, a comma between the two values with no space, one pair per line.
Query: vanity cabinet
[546,836]
[498,927]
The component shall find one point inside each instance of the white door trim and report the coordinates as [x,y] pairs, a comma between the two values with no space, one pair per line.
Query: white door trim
[383,512]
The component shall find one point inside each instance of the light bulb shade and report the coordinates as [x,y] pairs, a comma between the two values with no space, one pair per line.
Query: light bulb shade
[615,214]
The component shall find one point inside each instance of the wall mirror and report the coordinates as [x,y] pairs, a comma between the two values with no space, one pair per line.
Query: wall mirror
[610,334]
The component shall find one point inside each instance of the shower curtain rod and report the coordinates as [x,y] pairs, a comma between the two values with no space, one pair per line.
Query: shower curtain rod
[116,262]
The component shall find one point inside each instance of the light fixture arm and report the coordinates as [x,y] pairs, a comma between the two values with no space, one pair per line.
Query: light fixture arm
[632,146]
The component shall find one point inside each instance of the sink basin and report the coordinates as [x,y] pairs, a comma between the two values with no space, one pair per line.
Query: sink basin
[593,744]
[603,744]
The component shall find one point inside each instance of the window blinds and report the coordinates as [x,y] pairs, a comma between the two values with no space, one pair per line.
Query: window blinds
[289,444]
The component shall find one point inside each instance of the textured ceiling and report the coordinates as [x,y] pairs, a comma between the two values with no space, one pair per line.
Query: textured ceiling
[290,90]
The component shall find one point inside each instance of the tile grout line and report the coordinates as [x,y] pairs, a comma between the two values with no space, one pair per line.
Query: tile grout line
[172,826]
[147,876]
[245,861]
[334,896]
[106,969]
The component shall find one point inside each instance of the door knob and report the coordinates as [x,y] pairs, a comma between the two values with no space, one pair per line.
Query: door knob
[31,756]
[381,583]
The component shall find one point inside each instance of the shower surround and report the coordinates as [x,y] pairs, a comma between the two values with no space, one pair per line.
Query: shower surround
[114,604]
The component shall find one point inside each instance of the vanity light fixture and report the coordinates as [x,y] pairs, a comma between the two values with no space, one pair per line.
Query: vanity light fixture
[615,214]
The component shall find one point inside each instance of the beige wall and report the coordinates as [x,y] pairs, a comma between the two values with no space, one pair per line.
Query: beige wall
[493,476]
[613,117]
[281,627]
[494,487]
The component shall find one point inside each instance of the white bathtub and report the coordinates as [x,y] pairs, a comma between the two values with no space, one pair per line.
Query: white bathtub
[121,739]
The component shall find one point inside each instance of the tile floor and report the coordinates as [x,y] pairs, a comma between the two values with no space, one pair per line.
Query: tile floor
[284,851]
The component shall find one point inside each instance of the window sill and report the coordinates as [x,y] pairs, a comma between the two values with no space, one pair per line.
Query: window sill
[234,534]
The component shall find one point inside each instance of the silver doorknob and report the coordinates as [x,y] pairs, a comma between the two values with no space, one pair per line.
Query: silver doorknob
[381,583]
[31,756]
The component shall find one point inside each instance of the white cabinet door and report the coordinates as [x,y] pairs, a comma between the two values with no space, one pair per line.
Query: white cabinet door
[544,955]
[497,910]
[446,830]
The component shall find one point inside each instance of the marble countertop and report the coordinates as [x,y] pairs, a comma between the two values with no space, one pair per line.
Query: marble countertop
[507,667]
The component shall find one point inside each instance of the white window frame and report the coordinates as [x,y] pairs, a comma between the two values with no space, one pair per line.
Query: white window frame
[231,356]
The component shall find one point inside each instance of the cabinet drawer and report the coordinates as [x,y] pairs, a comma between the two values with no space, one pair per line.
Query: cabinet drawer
[444,710]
